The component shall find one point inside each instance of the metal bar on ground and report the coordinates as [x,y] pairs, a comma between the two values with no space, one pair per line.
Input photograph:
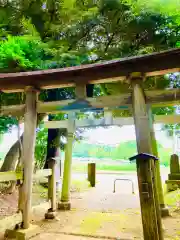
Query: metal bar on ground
[123,179]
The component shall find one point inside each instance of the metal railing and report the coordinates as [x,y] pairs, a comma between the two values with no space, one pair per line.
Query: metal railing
[124,179]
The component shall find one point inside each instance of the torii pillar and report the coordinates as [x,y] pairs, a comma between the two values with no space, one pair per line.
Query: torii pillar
[65,204]
[30,123]
[150,209]
[163,208]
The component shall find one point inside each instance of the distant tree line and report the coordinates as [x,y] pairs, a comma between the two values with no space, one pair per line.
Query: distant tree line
[123,151]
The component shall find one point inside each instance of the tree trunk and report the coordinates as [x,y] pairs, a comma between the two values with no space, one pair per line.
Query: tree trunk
[53,143]
[12,156]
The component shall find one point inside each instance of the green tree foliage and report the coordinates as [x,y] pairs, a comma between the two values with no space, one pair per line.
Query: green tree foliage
[6,123]
[41,147]
[107,28]
[165,7]
[123,151]
[19,53]
[115,31]
[22,54]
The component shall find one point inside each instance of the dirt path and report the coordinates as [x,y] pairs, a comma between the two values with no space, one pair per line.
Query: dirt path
[101,213]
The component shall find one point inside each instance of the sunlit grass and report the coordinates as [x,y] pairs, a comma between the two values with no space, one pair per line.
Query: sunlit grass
[172,199]
[82,167]
[95,220]
[79,185]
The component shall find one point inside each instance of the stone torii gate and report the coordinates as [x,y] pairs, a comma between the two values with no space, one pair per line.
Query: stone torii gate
[134,70]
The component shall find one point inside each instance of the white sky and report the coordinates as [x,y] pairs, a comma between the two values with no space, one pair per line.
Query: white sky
[109,136]
[115,135]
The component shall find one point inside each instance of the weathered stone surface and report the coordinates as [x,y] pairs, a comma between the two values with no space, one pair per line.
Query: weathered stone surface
[172,185]
[50,215]
[64,206]
[174,164]
[92,174]
[164,211]
[174,176]
[55,236]
[22,234]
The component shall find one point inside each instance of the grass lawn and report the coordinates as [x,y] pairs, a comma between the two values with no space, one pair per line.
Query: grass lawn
[82,167]
[172,199]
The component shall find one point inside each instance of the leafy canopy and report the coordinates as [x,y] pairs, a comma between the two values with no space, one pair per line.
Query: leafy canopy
[22,53]
[165,7]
